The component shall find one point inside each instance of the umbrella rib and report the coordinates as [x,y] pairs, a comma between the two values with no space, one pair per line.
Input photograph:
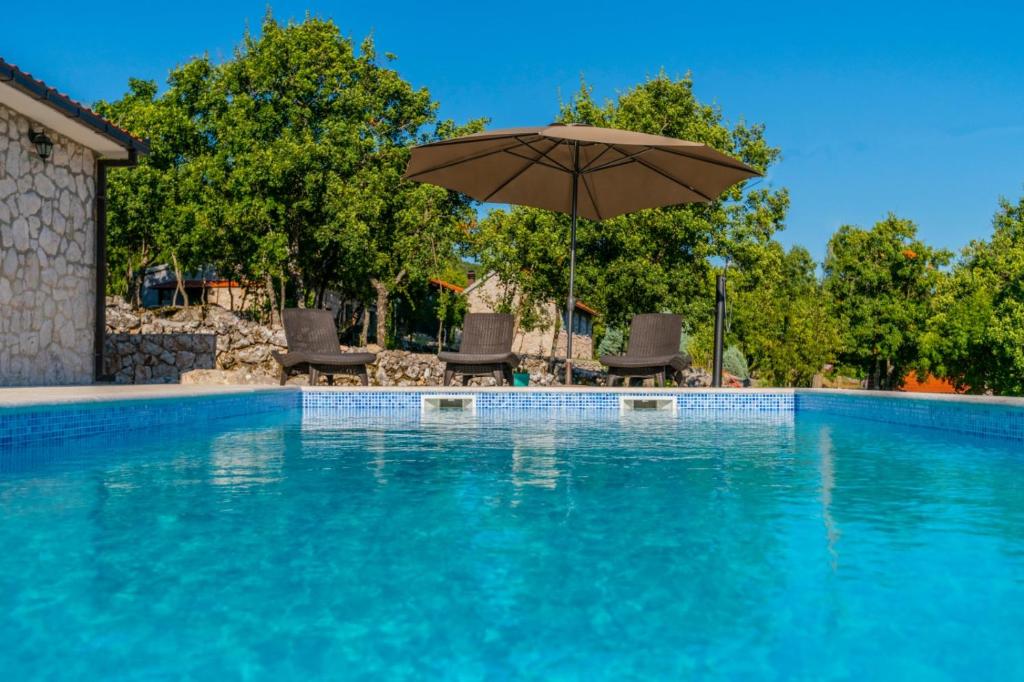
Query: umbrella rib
[593,199]
[594,160]
[554,143]
[745,168]
[626,158]
[526,167]
[536,161]
[456,162]
[676,180]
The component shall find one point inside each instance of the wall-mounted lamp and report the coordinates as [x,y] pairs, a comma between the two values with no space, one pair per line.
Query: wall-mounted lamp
[44,145]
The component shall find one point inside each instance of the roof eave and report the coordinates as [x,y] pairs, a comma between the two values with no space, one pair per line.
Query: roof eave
[30,87]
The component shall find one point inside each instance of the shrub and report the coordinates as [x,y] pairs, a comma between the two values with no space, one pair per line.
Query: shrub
[734,363]
[612,342]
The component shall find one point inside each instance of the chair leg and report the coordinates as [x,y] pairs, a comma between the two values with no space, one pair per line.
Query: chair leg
[330,379]
[313,377]
[660,379]
[507,371]
[448,376]
[465,379]
[364,378]
[284,376]
[613,379]
[499,376]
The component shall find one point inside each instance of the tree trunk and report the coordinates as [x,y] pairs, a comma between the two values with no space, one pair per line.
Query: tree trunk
[275,320]
[364,331]
[383,311]
[300,285]
[874,380]
[282,300]
[180,284]
[384,306]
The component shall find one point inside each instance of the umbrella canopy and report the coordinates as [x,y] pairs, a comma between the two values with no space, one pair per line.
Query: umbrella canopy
[597,173]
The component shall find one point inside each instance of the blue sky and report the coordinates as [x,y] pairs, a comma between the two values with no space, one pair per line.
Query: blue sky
[913,107]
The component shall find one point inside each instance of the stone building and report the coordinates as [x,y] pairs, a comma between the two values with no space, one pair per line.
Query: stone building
[160,289]
[54,156]
[488,293]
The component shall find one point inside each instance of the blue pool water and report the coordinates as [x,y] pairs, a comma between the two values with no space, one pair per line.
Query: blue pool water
[766,547]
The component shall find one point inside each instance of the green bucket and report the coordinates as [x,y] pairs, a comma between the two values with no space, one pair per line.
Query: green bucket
[521,379]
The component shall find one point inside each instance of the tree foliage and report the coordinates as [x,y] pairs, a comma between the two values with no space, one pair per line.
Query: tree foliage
[779,315]
[880,283]
[975,336]
[285,163]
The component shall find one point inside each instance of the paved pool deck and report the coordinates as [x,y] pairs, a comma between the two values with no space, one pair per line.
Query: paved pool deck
[55,395]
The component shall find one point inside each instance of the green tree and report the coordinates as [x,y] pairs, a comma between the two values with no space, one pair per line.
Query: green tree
[284,163]
[778,313]
[975,336]
[658,259]
[880,283]
[151,209]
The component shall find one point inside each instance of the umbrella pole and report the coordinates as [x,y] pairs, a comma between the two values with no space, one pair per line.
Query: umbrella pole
[570,308]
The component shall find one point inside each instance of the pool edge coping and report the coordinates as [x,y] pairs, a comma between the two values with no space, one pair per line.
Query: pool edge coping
[15,397]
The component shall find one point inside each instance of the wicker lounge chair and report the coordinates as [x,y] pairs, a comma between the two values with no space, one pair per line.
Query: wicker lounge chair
[313,347]
[653,350]
[486,349]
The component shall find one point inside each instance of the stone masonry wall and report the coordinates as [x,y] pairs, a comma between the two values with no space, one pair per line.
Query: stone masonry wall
[47,264]
[158,346]
[211,345]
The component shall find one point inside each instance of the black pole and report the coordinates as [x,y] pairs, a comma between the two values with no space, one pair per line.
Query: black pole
[716,374]
[571,305]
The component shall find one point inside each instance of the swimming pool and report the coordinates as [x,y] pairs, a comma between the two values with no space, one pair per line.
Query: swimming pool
[310,541]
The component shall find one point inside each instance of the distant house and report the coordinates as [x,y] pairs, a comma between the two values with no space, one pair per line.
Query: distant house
[489,293]
[160,288]
[417,326]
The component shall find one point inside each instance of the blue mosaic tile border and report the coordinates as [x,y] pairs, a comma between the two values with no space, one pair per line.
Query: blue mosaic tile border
[44,424]
[978,419]
[388,401]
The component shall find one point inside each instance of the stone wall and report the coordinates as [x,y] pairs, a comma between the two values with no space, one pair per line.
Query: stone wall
[211,345]
[47,264]
[158,346]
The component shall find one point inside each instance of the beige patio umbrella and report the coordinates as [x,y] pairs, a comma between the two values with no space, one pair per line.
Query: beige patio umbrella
[597,173]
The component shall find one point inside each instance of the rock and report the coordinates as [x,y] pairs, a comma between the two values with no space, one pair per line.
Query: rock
[29,203]
[19,230]
[49,241]
[225,377]
[44,186]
